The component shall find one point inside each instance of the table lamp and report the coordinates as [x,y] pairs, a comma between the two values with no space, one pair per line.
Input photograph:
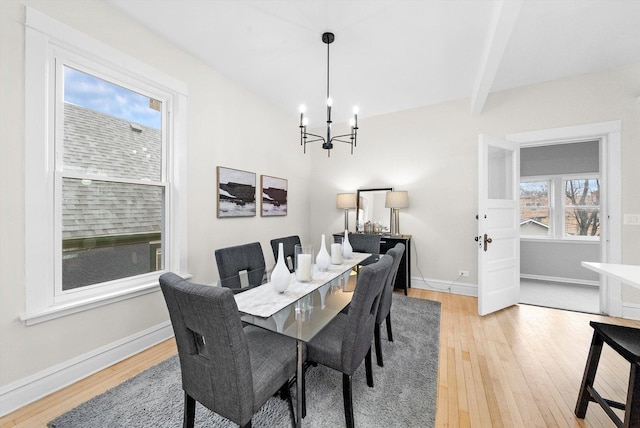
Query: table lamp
[396,200]
[346,201]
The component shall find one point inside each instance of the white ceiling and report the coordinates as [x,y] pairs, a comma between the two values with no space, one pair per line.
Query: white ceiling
[392,55]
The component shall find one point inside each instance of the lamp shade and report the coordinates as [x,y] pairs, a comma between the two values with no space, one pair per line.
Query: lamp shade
[346,201]
[398,199]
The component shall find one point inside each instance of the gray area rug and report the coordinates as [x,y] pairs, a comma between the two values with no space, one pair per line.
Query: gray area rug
[404,394]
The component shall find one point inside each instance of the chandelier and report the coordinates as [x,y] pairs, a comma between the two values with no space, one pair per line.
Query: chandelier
[327,143]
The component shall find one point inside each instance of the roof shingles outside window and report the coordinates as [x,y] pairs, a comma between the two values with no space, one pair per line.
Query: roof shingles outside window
[99,144]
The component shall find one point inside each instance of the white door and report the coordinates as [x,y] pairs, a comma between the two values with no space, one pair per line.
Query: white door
[498,224]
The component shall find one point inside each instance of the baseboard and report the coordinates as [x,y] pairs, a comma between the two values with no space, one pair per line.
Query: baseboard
[560,280]
[631,311]
[36,386]
[445,286]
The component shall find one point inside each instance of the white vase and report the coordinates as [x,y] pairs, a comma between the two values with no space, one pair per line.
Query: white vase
[280,276]
[347,249]
[323,259]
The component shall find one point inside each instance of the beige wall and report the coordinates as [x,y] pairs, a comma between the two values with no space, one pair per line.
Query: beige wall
[227,126]
[432,153]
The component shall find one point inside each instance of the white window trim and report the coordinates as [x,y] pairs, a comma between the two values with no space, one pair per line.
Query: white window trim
[557,207]
[564,206]
[550,207]
[42,35]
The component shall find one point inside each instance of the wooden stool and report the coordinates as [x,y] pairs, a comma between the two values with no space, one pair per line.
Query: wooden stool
[626,342]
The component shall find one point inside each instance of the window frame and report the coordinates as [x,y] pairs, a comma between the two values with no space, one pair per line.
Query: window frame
[550,205]
[47,42]
[564,179]
[557,207]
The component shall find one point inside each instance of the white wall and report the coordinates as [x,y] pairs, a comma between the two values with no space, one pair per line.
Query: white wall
[227,126]
[432,153]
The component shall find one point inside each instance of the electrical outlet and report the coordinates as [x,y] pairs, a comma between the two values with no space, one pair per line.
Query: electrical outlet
[632,219]
[463,273]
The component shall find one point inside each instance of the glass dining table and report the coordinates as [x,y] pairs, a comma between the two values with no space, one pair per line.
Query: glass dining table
[304,309]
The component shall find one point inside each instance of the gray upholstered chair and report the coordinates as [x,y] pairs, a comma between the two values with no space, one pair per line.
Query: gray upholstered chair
[232,261]
[384,309]
[365,243]
[346,340]
[229,369]
[288,246]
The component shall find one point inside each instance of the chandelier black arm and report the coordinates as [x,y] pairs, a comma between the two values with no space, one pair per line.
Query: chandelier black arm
[350,142]
[337,138]
[341,141]
[319,137]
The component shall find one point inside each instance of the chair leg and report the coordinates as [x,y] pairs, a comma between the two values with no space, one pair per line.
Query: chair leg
[376,336]
[304,393]
[368,368]
[247,425]
[389,333]
[189,411]
[632,408]
[285,393]
[589,375]
[348,402]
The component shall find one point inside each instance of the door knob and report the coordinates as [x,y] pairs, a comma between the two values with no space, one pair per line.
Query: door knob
[487,240]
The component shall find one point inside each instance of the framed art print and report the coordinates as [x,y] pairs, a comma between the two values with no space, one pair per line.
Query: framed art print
[236,193]
[274,196]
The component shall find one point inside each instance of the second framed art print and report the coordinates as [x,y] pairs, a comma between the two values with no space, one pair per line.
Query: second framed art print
[274,196]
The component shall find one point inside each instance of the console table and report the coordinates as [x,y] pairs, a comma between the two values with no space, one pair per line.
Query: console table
[403,278]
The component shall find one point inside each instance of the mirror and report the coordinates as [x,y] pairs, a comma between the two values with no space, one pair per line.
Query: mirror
[371,215]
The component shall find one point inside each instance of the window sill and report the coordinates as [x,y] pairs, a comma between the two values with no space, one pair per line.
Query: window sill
[561,241]
[63,310]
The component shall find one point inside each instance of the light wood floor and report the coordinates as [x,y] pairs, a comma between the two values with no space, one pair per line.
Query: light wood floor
[520,367]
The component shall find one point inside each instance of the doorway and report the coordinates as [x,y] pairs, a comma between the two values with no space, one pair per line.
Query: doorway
[551,271]
[560,216]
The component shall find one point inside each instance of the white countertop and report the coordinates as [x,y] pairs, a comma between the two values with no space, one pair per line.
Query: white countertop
[628,274]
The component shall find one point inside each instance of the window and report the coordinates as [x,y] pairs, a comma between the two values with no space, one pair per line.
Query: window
[112,169]
[535,208]
[582,207]
[105,149]
[560,207]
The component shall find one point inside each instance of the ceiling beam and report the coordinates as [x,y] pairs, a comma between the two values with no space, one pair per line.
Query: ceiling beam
[505,15]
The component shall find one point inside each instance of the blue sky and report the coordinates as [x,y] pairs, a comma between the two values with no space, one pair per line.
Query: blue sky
[96,94]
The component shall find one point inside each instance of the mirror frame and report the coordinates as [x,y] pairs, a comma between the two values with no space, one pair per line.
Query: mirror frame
[377,189]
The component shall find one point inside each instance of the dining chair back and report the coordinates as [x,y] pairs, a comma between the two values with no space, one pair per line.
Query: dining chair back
[232,261]
[288,246]
[346,341]
[365,243]
[229,369]
[384,309]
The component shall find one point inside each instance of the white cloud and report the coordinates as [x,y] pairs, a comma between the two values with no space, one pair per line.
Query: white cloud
[97,94]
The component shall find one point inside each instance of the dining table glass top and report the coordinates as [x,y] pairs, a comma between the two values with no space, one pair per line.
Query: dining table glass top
[306,307]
